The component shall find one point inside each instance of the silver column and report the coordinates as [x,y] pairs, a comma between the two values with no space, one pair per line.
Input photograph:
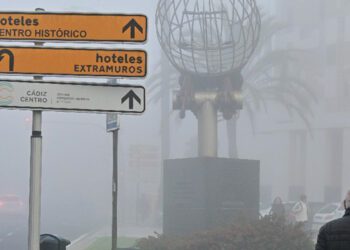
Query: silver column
[207,130]
[115,192]
[35,183]
[35,174]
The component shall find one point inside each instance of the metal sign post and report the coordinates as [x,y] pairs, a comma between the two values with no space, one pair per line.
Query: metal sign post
[35,183]
[115,191]
[35,175]
[113,126]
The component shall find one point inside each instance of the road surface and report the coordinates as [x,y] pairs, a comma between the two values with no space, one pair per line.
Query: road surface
[13,232]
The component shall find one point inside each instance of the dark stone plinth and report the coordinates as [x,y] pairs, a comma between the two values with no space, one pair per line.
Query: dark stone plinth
[206,193]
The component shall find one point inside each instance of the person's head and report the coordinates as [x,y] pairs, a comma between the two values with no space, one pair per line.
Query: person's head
[277,200]
[347,200]
[303,198]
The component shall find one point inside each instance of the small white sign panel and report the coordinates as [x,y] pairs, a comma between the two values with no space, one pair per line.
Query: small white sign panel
[80,97]
[112,122]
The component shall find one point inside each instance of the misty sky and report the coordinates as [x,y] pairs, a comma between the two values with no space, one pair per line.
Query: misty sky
[76,147]
[69,129]
[77,151]
[69,139]
[295,118]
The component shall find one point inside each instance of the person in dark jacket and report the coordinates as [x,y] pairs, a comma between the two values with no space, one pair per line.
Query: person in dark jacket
[335,235]
[277,208]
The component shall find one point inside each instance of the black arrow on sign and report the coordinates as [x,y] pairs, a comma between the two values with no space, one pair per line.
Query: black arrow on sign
[12,58]
[132,25]
[131,96]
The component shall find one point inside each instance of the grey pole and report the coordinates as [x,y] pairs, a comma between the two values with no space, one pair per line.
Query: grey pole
[115,182]
[207,129]
[35,183]
[115,191]
[35,176]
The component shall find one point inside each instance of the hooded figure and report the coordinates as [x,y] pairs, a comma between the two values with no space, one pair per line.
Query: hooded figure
[277,208]
[300,210]
[335,235]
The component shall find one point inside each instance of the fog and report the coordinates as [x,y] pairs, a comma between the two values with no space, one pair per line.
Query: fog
[300,135]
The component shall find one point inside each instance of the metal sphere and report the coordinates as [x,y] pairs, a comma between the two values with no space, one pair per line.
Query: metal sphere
[208,37]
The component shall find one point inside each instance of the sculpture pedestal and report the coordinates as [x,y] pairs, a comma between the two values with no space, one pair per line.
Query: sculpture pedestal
[206,193]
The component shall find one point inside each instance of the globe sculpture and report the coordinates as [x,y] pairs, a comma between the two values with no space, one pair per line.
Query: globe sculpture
[208,42]
[208,37]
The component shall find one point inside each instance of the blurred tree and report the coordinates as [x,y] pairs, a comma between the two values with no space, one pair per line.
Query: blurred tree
[273,75]
[160,84]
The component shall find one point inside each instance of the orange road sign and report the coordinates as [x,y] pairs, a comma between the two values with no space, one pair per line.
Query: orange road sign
[73,62]
[77,27]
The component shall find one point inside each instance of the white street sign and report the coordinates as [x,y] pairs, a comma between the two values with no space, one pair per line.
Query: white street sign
[112,122]
[80,97]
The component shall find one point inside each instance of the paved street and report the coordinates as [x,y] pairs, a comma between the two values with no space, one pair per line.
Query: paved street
[13,232]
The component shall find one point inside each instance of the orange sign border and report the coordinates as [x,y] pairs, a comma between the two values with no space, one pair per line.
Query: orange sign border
[77,14]
[78,75]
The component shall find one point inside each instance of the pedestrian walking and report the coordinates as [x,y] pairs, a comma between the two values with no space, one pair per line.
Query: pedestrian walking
[335,235]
